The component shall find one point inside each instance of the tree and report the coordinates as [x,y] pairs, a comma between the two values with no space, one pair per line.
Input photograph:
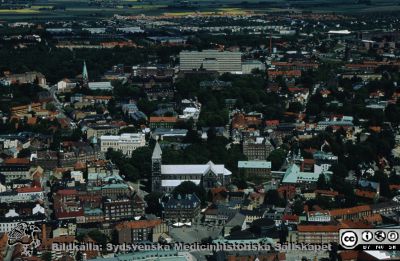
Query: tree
[24,153]
[277,158]
[295,107]
[46,256]
[188,187]
[153,203]
[116,157]
[141,160]
[383,180]
[339,170]
[99,237]
[240,183]
[129,129]
[130,172]
[322,183]
[392,113]
[79,256]
[236,229]
[112,107]
[51,107]
[272,198]
[298,207]
[76,134]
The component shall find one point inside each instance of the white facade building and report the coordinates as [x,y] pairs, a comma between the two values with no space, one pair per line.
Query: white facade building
[77,176]
[319,216]
[65,84]
[249,65]
[15,197]
[103,86]
[126,143]
[7,226]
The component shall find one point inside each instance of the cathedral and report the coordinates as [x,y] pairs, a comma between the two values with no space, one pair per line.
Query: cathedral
[166,177]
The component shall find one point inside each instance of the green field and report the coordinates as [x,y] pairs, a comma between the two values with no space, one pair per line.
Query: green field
[75,9]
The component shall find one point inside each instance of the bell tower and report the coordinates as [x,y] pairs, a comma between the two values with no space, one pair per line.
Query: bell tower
[156,161]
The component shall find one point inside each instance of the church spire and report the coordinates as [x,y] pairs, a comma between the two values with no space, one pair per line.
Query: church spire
[157,152]
[85,76]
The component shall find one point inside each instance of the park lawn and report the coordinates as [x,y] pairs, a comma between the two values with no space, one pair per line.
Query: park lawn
[220,11]
[19,11]
[233,11]
[190,13]
[147,7]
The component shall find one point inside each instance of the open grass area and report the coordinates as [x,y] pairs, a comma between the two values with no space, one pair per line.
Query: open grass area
[218,11]
[19,11]
[233,11]
[80,8]
[147,7]
[189,13]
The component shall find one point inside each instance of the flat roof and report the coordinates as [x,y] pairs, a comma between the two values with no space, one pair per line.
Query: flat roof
[254,164]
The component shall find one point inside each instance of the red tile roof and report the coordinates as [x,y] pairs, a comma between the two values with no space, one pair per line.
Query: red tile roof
[163,119]
[29,189]
[394,187]
[309,161]
[17,161]
[355,224]
[67,192]
[326,192]
[329,227]
[290,73]
[318,228]
[293,218]
[32,121]
[349,211]
[375,218]
[80,165]
[348,255]
[272,123]
[365,193]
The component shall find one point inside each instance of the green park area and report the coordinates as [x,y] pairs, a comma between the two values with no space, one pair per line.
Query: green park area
[78,9]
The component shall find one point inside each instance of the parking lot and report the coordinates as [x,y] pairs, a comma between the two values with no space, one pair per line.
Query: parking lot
[195,233]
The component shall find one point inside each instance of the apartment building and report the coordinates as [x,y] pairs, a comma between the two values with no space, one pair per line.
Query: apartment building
[138,231]
[257,148]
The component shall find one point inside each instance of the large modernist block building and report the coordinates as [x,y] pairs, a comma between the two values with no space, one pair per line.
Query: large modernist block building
[211,60]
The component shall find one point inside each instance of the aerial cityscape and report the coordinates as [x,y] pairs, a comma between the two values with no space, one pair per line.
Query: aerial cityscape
[178,130]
